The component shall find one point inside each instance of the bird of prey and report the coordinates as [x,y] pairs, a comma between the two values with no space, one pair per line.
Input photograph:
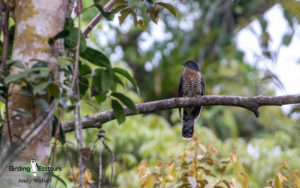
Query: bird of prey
[191,85]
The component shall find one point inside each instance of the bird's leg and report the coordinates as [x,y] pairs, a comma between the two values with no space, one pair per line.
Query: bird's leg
[198,96]
[185,96]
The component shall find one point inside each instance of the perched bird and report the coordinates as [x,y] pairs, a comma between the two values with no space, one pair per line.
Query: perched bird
[191,85]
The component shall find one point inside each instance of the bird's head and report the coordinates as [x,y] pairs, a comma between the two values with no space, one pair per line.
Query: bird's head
[191,65]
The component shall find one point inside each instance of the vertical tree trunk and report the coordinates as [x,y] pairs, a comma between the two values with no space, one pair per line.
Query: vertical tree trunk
[35,22]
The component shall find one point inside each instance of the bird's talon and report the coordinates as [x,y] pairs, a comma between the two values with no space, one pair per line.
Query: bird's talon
[198,96]
[186,97]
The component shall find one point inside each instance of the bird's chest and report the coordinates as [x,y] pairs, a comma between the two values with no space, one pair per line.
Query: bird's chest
[191,83]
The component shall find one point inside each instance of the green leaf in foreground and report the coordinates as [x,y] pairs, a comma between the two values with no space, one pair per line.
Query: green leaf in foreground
[118,111]
[124,73]
[125,100]
[96,57]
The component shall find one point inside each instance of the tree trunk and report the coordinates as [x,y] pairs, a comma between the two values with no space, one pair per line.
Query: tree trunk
[35,22]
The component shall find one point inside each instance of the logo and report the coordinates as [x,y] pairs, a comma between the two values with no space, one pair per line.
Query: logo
[34,168]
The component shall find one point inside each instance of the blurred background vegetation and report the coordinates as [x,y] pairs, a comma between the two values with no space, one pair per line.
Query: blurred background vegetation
[204,31]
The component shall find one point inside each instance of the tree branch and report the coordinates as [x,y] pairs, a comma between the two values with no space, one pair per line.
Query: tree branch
[97,18]
[250,103]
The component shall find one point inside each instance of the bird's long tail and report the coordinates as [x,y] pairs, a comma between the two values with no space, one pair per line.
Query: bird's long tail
[188,127]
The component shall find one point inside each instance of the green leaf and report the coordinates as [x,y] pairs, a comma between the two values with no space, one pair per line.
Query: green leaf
[53,89]
[15,63]
[118,8]
[124,73]
[84,69]
[167,6]
[40,87]
[83,85]
[100,98]
[96,82]
[107,14]
[96,57]
[124,14]
[42,104]
[15,77]
[65,62]
[62,137]
[118,80]
[125,100]
[40,64]
[63,34]
[287,39]
[118,111]
[71,40]
[106,80]
[2,99]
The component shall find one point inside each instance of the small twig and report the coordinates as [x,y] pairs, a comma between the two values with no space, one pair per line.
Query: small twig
[7,120]
[250,103]
[6,38]
[100,164]
[75,87]
[112,163]
[57,132]
[70,161]
[97,18]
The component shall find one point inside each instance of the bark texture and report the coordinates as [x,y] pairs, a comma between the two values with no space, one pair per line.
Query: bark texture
[36,21]
[250,103]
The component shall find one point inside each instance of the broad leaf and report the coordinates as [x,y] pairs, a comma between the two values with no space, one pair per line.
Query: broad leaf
[125,100]
[96,57]
[71,40]
[167,6]
[107,14]
[118,80]
[40,87]
[106,80]
[53,89]
[100,98]
[118,111]
[42,104]
[124,73]
[84,69]
[83,85]
[124,14]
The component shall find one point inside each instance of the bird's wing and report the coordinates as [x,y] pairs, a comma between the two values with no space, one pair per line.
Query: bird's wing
[180,94]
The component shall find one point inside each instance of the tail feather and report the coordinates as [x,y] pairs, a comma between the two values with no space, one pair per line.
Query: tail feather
[188,128]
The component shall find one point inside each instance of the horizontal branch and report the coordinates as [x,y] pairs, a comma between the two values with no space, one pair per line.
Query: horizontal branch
[250,103]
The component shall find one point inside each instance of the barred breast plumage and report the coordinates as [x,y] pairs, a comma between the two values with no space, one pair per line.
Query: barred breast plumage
[191,85]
